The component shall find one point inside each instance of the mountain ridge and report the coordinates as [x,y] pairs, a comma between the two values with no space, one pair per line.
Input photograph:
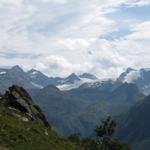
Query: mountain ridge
[24,126]
[134,125]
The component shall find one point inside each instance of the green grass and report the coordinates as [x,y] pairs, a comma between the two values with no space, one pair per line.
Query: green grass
[18,135]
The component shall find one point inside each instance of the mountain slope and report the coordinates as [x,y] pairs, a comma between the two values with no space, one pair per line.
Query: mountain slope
[23,125]
[139,77]
[67,113]
[134,126]
[15,75]
[38,77]
[79,110]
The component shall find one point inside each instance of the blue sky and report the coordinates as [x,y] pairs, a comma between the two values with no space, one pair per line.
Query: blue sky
[103,37]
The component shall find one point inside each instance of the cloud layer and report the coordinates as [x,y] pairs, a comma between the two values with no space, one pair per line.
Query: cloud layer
[59,37]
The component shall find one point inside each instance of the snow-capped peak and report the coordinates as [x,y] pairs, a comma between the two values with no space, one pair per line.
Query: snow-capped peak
[132,76]
[74,81]
[33,73]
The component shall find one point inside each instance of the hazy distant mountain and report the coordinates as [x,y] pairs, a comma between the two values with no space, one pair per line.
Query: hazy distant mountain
[88,76]
[140,77]
[71,79]
[66,113]
[38,77]
[74,81]
[14,75]
[125,76]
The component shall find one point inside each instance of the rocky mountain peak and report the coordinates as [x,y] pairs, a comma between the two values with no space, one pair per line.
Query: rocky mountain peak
[124,74]
[17,68]
[129,70]
[17,98]
[72,78]
[33,71]
[88,76]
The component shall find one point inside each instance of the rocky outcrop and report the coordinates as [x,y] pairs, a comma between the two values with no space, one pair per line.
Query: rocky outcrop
[16,97]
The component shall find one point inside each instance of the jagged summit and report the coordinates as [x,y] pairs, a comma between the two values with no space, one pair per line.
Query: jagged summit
[33,71]
[16,97]
[88,76]
[129,69]
[17,68]
[72,78]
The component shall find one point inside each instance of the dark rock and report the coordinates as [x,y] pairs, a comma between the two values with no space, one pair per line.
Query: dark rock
[18,98]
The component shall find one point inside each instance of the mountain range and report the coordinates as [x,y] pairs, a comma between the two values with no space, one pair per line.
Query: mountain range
[75,104]
[34,79]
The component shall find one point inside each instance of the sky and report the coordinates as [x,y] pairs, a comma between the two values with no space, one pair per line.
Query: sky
[58,37]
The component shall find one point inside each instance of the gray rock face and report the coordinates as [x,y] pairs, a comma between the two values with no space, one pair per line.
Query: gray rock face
[16,97]
[88,76]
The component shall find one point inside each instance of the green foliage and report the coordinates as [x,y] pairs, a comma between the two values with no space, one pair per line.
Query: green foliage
[106,128]
[103,141]
[104,133]
[117,145]
[88,144]
[75,138]
[15,134]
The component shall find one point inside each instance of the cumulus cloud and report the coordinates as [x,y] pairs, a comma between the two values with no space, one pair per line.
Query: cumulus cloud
[59,37]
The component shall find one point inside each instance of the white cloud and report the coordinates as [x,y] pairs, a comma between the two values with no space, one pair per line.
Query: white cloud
[54,1]
[13,2]
[66,34]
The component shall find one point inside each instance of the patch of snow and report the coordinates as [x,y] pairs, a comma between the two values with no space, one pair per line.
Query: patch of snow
[98,83]
[3,72]
[76,84]
[93,84]
[66,87]
[132,76]
[34,73]
[37,85]
[146,89]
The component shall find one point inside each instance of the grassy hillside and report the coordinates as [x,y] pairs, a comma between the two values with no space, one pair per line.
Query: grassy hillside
[20,133]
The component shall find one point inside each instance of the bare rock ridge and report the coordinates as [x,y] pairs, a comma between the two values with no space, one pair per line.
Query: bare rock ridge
[16,97]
